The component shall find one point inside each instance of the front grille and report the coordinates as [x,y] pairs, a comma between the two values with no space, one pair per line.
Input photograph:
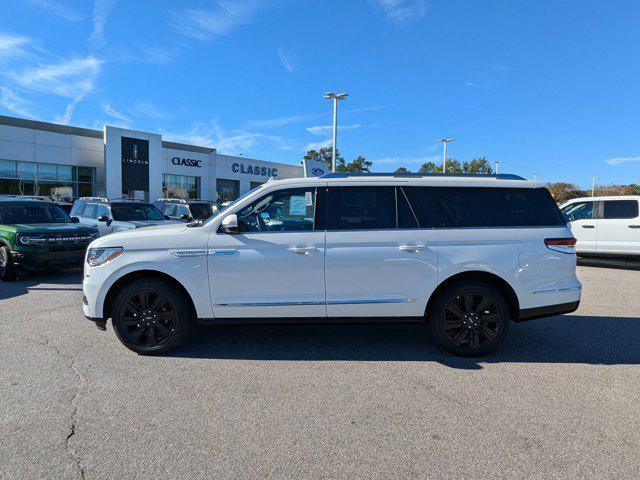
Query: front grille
[60,238]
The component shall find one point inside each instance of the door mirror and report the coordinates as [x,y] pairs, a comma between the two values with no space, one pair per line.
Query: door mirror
[75,220]
[103,218]
[185,216]
[230,224]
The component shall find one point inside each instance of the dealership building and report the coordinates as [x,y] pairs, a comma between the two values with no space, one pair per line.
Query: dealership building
[39,158]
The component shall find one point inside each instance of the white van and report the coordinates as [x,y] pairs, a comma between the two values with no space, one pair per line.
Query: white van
[469,254]
[605,225]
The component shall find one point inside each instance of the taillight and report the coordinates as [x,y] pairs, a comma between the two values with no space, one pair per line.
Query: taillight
[563,245]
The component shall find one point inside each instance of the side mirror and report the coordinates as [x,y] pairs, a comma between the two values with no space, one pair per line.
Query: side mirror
[230,224]
[185,216]
[75,220]
[103,218]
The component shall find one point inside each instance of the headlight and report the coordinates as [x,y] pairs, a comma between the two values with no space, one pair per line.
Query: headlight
[29,239]
[100,256]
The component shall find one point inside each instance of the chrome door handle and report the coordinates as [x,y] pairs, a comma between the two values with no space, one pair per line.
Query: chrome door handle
[303,250]
[630,226]
[588,226]
[411,248]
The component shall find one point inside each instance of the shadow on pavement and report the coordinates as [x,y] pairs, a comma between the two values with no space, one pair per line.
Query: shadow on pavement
[562,339]
[610,262]
[32,281]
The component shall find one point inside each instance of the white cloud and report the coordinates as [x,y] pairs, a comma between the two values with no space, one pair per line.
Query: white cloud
[279,122]
[101,11]
[366,109]
[286,62]
[58,8]
[67,78]
[477,85]
[402,12]
[227,142]
[12,45]
[322,130]
[225,17]
[112,112]
[319,145]
[148,110]
[15,103]
[408,161]
[620,160]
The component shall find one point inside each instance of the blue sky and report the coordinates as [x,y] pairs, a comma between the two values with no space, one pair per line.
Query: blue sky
[543,86]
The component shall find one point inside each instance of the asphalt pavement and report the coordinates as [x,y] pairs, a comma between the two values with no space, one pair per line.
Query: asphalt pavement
[559,400]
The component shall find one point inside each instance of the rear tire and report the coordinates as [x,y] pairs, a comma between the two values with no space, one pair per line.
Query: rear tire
[151,316]
[470,319]
[7,268]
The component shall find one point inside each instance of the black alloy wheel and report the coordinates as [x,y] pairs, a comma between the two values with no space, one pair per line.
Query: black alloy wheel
[470,319]
[7,268]
[151,316]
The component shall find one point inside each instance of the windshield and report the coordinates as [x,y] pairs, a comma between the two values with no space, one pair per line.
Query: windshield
[135,212]
[37,213]
[202,211]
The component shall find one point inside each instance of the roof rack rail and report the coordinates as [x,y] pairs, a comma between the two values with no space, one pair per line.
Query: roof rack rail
[501,176]
[95,199]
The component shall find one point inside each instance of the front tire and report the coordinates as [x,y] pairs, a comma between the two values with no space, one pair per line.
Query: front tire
[151,316]
[470,319]
[7,268]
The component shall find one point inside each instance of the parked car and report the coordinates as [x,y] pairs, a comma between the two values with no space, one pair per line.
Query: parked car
[187,210]
[39,235]
[605,225]
[117,215]
[469,254]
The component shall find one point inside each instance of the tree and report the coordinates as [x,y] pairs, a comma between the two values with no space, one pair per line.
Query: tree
[359,165]
[324,155]
[478,165]
[402,170]
[453,166]
[429,167]
[563,191]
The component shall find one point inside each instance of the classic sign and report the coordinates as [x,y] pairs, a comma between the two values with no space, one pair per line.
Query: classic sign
[254,170]
[187,162]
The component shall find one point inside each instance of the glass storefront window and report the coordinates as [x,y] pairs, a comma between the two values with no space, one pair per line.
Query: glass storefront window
[181,186]
[8,169]
[47,171]
[62,182]
[254,185]
[27,170]
[227,190]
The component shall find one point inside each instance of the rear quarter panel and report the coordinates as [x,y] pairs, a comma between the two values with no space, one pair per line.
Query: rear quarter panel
[517,255]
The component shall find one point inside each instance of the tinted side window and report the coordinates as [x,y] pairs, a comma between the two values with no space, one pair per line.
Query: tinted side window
[102,210]
[291,210]
[578,211]
[500,207]
[90,211]
[77,209]
[406,215]
[620,209]
[428,207]
[361,208]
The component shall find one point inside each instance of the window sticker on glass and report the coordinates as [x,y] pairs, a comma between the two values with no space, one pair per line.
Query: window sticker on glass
[309,198]
[297,205]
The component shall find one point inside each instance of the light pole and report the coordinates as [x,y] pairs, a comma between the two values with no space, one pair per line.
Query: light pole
[498,162]
[339,96]
[535,176]
[593,186]
[444,154]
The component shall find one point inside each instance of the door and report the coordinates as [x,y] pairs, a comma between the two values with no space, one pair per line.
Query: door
[378,262]
[584,226]
[274,267]
[619,227]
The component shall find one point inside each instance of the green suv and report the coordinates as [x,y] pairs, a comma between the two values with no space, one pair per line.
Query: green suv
[39,235]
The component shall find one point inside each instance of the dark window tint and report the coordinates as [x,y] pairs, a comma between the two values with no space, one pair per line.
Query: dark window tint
[620,209]
[359,208]
[32,213]
[202,211]
[499,207]
[406,216]
[427,207]
[578,211]
[133,212]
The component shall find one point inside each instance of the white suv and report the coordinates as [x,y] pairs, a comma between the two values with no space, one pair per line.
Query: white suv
[605,225]
[467,253]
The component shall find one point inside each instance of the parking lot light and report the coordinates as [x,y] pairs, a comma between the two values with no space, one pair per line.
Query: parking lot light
[335,98]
